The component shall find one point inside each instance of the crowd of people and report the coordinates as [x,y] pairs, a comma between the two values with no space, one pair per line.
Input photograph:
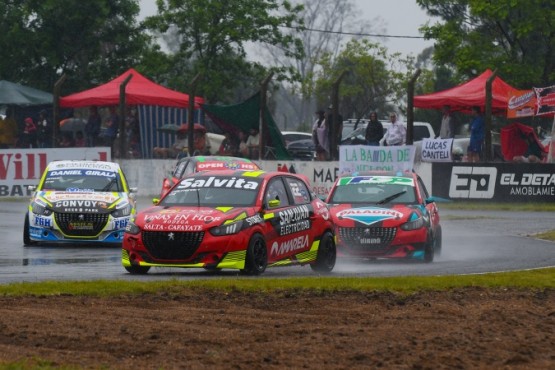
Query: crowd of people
[38,132]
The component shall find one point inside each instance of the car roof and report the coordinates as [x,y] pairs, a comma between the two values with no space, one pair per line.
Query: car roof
[251,174]
[93,165]
[408,174]
[215,158]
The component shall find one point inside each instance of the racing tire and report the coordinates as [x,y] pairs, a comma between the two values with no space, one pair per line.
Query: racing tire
[429,249]
[26,237]
[256,260]
[437,240]
[137,270]
[326,256]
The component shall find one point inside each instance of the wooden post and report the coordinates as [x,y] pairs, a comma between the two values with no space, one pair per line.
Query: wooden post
[410,107]
[487,149]
[191,115]
[56,110]
[333,129]
[122,116]
[262,124]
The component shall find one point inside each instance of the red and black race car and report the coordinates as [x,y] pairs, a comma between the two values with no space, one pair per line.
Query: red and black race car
[188,165]
[385,215]
[245,220]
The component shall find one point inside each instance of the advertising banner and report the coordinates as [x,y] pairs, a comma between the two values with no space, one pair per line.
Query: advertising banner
[500,182]
[522,103]
[437,150]
[361,158]
[20,168]
[545,100]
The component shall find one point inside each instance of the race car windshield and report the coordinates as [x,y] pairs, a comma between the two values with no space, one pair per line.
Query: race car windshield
[107,182]
[373,193]
[210,197]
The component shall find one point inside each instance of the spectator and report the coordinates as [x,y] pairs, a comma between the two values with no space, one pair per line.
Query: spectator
[397,133]
[320,136]
[66,141]
[477,127]
[80,140]
[253,142]
[534,153]
[8,131]
[337,124]
[92,127]
[228,145]
[242,149]
[112,126]
[374,130]
[175,150]
[447,130]
[44,130]
[28,138]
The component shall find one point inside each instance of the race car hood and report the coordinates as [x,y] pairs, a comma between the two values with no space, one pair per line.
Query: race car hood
[349,215]
[84,202]
[188,218]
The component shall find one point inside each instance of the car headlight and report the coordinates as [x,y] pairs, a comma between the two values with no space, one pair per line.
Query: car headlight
[40,208]
[414,224]
[229,229]
[132,228]
[122,210]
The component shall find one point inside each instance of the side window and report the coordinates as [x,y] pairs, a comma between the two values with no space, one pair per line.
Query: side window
[178,172]
[189,169]
[276,191]
[423,189]
[301,194]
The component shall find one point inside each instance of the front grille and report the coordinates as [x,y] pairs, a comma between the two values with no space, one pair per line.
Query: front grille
[81,224]
[367,239]
[163,245]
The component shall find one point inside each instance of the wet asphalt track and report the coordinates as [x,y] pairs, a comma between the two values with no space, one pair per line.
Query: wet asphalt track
[472,243]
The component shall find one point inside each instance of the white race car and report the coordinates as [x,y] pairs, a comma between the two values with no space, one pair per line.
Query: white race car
[79,201]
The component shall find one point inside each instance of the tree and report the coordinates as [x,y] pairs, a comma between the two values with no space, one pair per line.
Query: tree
[324,21]
[213,34]
[375,80]
[516,37]
[90,41]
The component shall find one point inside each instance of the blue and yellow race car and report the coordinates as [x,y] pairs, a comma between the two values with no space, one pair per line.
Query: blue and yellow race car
[79,201]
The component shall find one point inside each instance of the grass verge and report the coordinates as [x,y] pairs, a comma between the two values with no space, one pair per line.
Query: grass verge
[535,279]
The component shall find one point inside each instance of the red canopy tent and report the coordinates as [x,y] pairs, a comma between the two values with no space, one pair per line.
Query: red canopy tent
[469,94]
[139,91]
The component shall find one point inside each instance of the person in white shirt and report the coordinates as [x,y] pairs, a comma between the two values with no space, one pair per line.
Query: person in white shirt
[447,130]
[396,133]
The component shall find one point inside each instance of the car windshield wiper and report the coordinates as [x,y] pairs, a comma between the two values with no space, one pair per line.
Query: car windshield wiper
[391,197]
[109,185]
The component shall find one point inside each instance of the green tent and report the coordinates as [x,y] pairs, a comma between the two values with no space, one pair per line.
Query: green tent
[244,116]
[16,94]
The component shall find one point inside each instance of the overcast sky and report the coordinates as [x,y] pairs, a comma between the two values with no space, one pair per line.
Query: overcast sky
[401,18]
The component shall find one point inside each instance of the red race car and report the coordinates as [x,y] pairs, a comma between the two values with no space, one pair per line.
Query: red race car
[385,215]
[245,220]
[188,165]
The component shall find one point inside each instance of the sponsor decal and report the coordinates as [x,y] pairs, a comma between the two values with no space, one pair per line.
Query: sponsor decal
[377,180]
[472,182]
[42,221]
[168,219]
[81,225]
[288,246]
[293,220]
[292,215]
[369,215]
[163,227]
[75,203]
[253,220]
[121,224]
[218,182]
[84,165]
[105,198]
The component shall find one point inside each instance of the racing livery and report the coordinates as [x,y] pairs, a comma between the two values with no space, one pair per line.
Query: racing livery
[188,165]
[245,220]
[79,201]
[385,215]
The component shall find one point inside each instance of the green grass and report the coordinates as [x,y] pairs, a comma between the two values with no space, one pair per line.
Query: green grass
[486,206]
[535,279]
